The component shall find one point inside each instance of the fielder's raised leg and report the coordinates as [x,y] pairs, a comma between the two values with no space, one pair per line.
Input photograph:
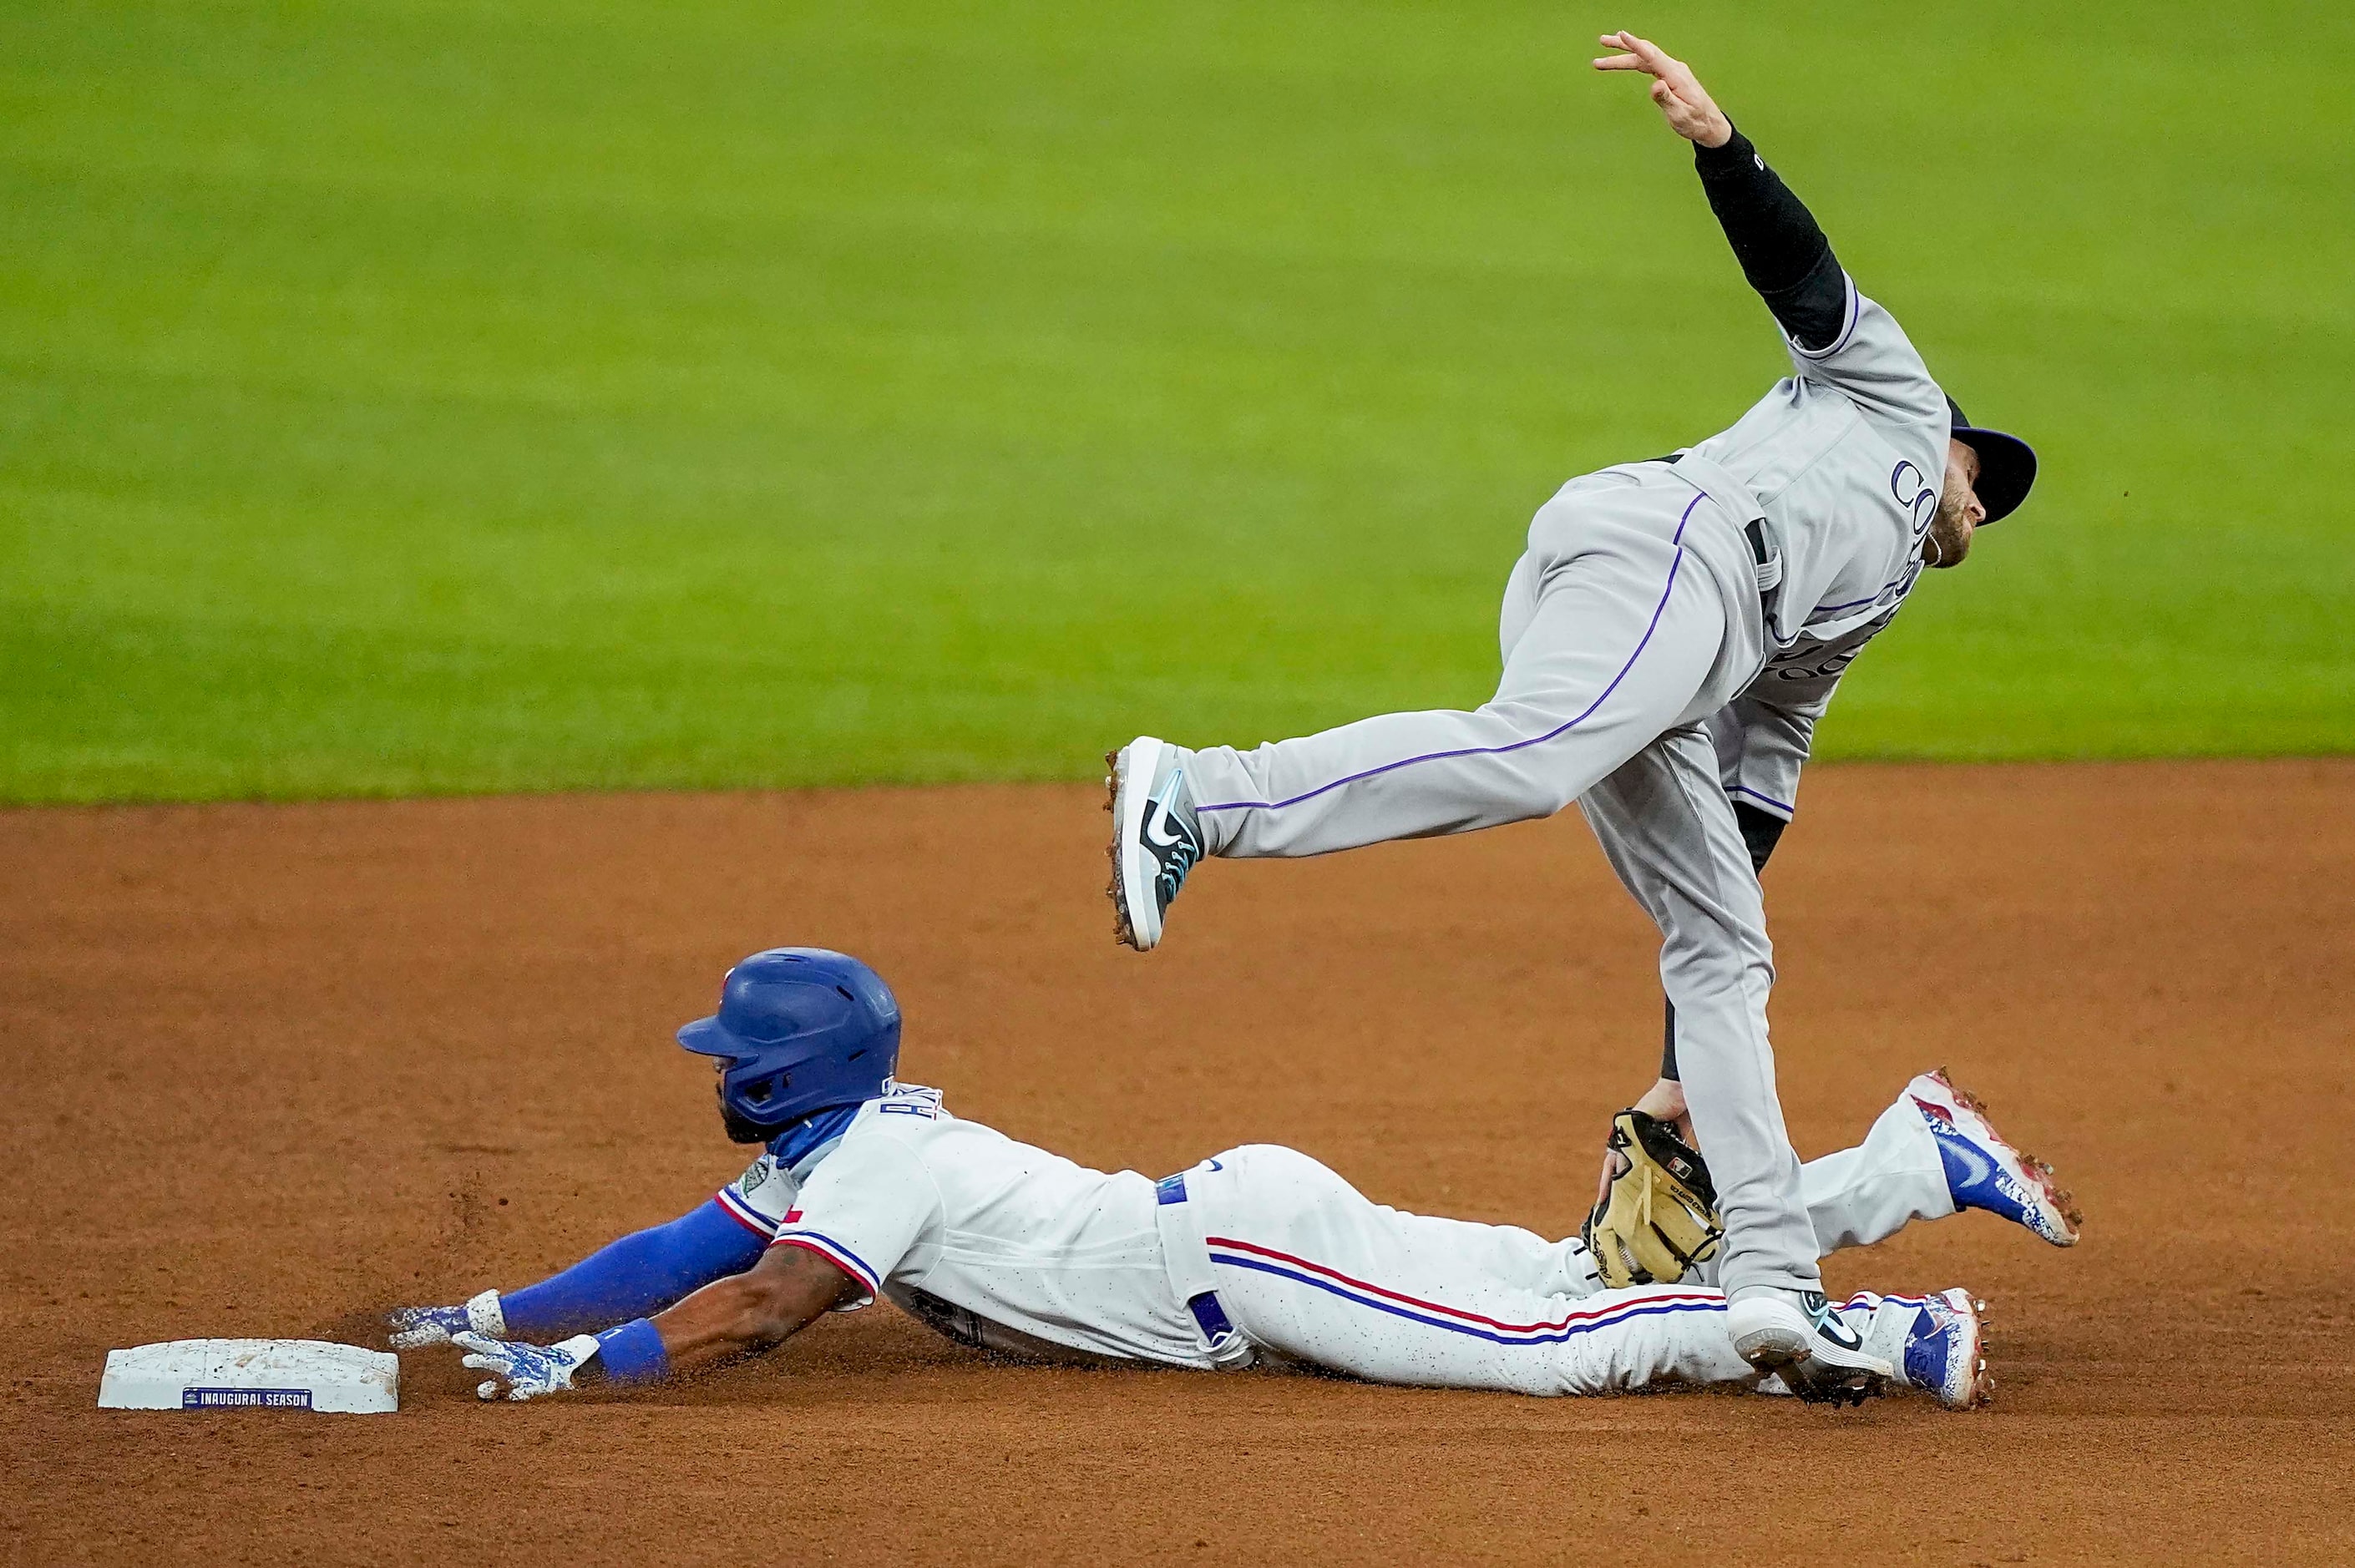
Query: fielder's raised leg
[1670,636]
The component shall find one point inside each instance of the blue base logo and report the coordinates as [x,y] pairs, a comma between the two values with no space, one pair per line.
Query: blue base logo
[233,1398]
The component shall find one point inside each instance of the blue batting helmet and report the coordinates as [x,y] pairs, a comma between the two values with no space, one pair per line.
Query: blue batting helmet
[801,1030]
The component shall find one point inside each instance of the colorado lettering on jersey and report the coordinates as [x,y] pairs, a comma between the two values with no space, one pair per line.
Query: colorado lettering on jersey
[1914,494]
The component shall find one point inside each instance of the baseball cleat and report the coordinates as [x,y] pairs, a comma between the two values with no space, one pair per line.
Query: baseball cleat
[1155,838]
[1946,1354]
[1983,1172]
[1802,1338]
[1937,1342]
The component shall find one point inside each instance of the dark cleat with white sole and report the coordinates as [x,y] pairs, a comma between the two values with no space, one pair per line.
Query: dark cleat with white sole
[1155,839]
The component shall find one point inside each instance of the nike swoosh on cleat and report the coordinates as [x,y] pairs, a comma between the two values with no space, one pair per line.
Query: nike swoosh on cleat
[1161,816]
[1831,1326]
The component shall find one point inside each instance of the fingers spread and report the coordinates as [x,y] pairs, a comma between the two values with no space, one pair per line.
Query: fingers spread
[488,1389]
[1641,54]
[1646,50]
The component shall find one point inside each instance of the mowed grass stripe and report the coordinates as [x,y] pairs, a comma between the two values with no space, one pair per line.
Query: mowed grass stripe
[445,397]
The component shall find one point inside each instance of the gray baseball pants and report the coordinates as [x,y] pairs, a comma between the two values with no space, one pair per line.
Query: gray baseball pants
[1632,617]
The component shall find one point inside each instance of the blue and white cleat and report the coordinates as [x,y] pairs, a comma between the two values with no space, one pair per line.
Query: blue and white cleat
[1983,1172]
[1938,1343]
[1155,839]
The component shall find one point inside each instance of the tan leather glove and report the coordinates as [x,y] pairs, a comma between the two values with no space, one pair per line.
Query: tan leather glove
[1660,1217]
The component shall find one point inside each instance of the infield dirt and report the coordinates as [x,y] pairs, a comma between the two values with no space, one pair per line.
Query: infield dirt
[273,1069]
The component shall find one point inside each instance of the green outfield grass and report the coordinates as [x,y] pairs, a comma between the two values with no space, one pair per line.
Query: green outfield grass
[417,396]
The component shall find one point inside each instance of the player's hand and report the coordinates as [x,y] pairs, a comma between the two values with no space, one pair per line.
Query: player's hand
[414,1327]
[528,1371]
[1691,113]
[1666,1100]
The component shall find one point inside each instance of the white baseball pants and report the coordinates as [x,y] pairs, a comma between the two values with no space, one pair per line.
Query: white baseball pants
[1307,1267]
[1633,615]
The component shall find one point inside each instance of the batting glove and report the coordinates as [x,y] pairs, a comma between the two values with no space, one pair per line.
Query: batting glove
[529,1371]
[413,1328]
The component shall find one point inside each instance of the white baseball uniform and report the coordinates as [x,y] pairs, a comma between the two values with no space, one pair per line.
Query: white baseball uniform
[1261,1252]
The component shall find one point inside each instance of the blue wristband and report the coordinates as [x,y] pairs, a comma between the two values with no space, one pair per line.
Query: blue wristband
[633,1353]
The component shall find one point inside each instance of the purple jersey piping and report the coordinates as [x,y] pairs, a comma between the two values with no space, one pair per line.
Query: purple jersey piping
[1658,611]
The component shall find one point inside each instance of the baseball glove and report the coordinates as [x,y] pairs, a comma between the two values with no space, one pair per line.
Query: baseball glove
[1660,1216]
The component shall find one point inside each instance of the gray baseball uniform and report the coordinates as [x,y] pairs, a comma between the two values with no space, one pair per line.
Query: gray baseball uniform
[1670,636]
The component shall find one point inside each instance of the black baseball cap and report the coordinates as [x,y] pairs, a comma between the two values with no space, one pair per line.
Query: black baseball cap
[2006,464]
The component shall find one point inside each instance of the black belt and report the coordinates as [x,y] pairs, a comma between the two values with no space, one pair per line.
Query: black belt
[1760,551]
[1208,1315]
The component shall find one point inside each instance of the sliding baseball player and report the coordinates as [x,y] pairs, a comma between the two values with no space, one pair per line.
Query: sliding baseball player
[869,1187]
[1670,637]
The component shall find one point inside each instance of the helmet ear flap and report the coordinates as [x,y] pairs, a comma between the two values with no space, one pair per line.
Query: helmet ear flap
[741,1127]
[766,1090]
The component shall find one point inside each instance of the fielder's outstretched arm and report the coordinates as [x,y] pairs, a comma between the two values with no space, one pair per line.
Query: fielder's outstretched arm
[1781,250]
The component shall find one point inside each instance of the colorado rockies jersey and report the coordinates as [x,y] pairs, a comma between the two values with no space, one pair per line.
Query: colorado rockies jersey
[1765,736]
[1845,458]
[990,1240]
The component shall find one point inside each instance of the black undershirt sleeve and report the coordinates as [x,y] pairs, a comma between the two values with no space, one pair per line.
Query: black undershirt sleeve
[1783,252]
[1760,831]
